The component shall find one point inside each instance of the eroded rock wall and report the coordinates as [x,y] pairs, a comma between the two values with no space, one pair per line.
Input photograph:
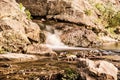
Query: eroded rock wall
[75,11]
[16,30]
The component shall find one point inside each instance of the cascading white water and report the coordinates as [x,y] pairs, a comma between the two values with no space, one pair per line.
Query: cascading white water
[53,40]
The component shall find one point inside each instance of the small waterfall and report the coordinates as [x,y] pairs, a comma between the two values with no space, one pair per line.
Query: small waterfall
[53,39]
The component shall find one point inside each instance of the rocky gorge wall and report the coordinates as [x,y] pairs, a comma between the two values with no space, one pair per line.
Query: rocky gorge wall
[92,15]
[86,12]
[16,30]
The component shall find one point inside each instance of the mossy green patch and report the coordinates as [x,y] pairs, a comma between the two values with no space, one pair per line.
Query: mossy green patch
[88,12]
[70,74]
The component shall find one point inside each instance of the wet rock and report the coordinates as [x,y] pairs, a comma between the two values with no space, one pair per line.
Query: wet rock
[15,57]
[92,70]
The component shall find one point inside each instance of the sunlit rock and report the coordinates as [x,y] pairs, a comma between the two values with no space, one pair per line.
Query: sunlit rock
[92,70]
[17,57]
[15,28]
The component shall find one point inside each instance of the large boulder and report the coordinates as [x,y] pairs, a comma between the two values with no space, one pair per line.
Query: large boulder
[97,70]
[13,17]
[17,57]
[67,10]
[13,41]
[79,37]
[16,30]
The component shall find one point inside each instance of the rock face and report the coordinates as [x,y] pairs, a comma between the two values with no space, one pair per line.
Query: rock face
[75,11]
[79,37]
[67,10]
[16,19]
[88,13]
[13,41]
[15,28]
[97,70]
[17,57]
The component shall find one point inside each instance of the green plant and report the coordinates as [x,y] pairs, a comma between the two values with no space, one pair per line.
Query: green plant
[111,30]
[21,6]
[70,74]
[110,16]
[115,20]
[2,51]
[88,12]
[27,12]
[100,7]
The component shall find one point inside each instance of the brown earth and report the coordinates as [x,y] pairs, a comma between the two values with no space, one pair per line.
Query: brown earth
[46,68]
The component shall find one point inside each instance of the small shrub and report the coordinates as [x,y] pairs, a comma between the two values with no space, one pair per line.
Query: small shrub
[20,6]
[100,7]
[88,12]
[110,16]
[111,30]
[2,51]
[70,74]
[27,12]
[115,20]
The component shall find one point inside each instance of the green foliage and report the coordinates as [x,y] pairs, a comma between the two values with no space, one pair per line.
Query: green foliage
[2,51]
[27,12]
[21,6]
[111,30]
[115,20]
[110,17]
[88,12]
[100,7]
[70,74]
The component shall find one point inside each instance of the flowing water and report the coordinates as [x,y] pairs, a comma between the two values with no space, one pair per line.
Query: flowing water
[112,46]
[53,41]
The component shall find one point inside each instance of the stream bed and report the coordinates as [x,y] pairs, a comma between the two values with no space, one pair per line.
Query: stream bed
[50,69]
[61,69]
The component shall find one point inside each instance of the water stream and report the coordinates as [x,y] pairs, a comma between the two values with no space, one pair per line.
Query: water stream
[112,47]
[53,41]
